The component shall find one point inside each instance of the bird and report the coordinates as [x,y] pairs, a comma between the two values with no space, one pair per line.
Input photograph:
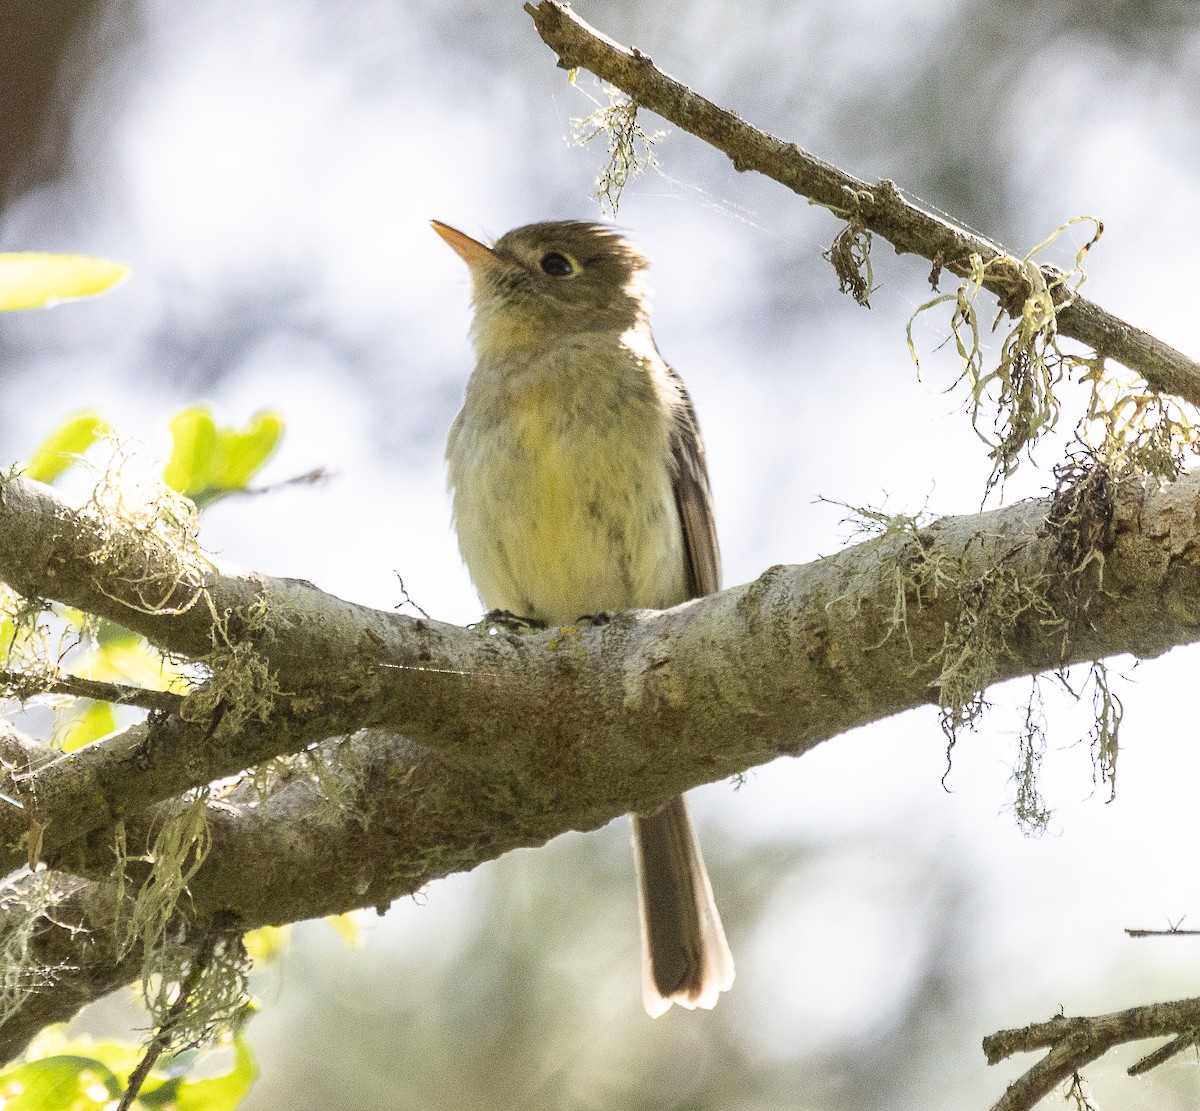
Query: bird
[579,487]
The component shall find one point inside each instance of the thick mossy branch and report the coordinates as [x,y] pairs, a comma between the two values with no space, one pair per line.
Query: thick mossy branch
[978,599]
[516,736]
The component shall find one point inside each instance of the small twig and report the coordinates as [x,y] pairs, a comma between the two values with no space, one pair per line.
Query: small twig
[880,207]
[1162,1054]
[162,1036]
[94,688]
[1173,930]
[310,478]
[408,600]
[1162,933]
[1076,1042]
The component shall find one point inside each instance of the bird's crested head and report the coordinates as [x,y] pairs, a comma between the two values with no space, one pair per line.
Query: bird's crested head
[544,281]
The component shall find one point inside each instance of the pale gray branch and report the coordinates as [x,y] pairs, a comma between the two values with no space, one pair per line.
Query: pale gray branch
[570,727]
[489,739]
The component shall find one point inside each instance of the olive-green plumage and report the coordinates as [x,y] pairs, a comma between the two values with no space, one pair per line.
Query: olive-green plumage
[580,487]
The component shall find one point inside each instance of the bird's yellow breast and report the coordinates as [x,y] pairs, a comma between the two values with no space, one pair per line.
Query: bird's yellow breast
[562,490]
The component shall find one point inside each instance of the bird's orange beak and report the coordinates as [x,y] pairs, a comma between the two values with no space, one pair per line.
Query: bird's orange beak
[471,251]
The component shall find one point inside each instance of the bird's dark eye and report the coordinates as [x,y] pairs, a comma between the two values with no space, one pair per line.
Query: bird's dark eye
[556,265]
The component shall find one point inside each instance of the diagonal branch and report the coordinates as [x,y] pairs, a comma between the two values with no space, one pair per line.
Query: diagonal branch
[880,206]
[1076,1042]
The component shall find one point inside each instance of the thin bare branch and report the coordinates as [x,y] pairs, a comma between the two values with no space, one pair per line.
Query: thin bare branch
[1076,1042]
[879,207]
[120,693]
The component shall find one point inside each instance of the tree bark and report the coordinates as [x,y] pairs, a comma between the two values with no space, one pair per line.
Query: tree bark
[456,745]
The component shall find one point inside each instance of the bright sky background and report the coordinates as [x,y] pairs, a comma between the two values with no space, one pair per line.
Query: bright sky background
[269,169]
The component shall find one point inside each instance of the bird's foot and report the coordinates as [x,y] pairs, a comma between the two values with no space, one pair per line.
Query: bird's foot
[513,622]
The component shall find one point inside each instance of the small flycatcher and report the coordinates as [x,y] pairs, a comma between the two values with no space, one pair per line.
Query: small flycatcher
[580,487]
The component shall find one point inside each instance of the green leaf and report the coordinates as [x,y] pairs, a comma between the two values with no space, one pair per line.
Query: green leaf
[65,444]
[193,458]
[155,1094]
[32,280]
[62,1083]
[267,943]
[208,462]
[93,1081]
[82,726]
[347,927]
[221,1093]
[246,451]
[111,635]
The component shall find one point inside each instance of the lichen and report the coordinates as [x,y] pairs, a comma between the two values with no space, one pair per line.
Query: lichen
[24,911]
[178,847]
[1133,429]
[991,608]
[146,538]
[1018,395]
[631,147]
[850,251]
[214,974]
[1028,806]
[241,684]
[1104,737]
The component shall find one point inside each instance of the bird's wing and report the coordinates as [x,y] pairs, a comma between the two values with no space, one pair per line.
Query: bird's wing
[693,497]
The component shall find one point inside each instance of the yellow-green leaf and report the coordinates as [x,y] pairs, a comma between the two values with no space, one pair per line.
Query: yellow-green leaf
[267,943]
[81,727]
[64,445]
[347,927]
[129,659]
[246,451]
[208,462]
[194,457]
[65,1082]
[221,1093]
[34,280]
